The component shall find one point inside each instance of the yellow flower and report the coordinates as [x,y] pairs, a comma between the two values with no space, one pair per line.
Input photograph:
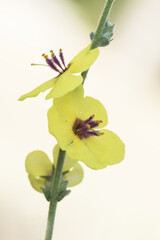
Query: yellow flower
[71,121]
[40,168]
[66,81]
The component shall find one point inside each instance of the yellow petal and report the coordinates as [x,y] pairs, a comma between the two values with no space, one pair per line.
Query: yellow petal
[84,62]
[65,83]
[109,145]
[60,128]
[80,55]
[75,176]
[93,106]
[37,183]
[79,151]
[69,105]
[38,164]
[68,162]
[43,87]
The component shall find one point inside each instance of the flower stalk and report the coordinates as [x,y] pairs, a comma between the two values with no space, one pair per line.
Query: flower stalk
[99,29]
[55,192]
[61,157]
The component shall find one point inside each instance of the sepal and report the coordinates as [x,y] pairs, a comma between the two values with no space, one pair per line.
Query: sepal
[63,190]
[106,34]
[47,190]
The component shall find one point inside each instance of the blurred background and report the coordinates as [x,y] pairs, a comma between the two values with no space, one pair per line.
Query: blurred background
[119,202]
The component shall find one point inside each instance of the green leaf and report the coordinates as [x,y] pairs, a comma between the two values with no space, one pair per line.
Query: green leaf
[106,34]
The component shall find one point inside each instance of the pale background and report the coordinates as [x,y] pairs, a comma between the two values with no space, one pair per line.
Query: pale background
[121,202]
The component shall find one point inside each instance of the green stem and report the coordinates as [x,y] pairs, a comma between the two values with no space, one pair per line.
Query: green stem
[55,192]
[102,21]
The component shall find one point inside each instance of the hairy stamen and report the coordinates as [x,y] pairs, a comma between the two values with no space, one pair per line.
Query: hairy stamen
[85,129]
[50,63]
[62,57]
[55,60]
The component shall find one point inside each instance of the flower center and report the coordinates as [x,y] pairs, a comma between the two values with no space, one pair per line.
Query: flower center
[56,64]
[85,129]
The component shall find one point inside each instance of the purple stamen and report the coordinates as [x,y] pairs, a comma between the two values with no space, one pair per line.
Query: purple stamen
[94,124]
[62,57]
[52,65]
[89,119]
[94,133]
[55,60]
[84,129]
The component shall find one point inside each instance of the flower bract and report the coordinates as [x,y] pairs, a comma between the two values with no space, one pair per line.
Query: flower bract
[77,122]
[66,80]
[40,168]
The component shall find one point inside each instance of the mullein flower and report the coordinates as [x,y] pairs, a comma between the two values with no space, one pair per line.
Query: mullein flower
[40,169]
[76,123]
[66,81]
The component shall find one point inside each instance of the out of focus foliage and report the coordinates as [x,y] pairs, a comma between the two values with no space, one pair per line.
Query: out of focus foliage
[91,9]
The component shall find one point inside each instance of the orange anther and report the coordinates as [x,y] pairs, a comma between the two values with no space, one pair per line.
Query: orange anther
[99,121]
[44,55]
[52,53]
[101,133]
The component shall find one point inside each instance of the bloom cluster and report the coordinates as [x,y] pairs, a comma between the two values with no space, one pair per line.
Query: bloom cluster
[40,170]
[77,123]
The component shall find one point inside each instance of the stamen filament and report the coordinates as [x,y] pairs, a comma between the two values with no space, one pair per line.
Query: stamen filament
[50,63]
[55,60]
[84,129]
[62,57]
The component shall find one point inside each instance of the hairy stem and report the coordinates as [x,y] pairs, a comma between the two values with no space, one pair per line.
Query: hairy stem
[100,26]
[55,192]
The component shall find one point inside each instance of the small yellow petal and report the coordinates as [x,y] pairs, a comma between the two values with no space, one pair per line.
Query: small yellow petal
[43,87]
[60,128]
[94,107]
[68,162]
[66,82]
[84,62]
[38,164]
[109,145]
[75,176]
[37,183]
[69,105]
